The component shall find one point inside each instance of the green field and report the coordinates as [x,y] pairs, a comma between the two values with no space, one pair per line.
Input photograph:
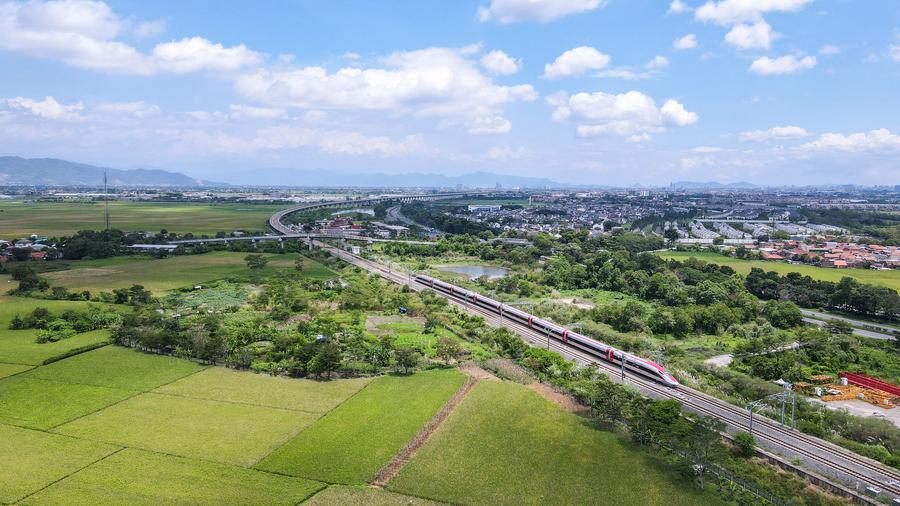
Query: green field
[116,367]
[41,404]
[343,495]
[21,219]
[11,369]
[136,477]
[32,460]
[224,432]
[352,442]
[890,279]
[506,445]
[172,272]
[228,385]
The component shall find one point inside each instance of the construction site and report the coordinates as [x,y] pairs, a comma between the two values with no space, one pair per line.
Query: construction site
[854,391]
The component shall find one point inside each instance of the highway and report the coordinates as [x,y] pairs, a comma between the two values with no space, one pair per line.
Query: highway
[816,455]
[860,328]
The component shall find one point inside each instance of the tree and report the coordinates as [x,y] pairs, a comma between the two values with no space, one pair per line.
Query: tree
[326,360]
[298,264]
[16,323]
[139,295]
[28,279]
[744,444]
[718,241]
[839,327]
[407,358]
[255,261]
[782,313]
[448,349]
[671,235]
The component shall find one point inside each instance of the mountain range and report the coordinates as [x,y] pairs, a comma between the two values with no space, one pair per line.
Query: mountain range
[16,171]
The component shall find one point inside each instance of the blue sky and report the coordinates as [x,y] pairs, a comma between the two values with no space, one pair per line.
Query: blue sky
[586,91]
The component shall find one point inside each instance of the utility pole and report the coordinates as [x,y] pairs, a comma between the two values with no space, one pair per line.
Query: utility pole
[106,198]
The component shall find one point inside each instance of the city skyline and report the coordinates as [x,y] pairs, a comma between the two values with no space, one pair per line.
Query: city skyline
[581,91]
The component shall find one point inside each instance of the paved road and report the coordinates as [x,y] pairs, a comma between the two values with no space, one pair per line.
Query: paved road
[816,455]
[819,318]
[394,214]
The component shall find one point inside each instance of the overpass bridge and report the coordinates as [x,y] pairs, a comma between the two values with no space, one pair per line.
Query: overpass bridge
[295,236]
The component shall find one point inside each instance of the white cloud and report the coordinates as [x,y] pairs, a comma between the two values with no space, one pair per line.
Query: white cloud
[196,53]
[729,12]
[138,110]
[83,34]
[677,7]
[779,132]
[689,41]
[576,62]
[506,153]
[830,49]
[759,35]
[350,55]
[544,11]
[707,149]
[895,52]
[673,113]
[627,114]
[788,64]
[490,125]
[433,82]
[150,28]
[649,70]
[249,111]
[499,63]
[875,140]
[48,108]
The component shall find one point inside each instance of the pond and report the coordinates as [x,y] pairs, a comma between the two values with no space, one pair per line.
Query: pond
[474,271]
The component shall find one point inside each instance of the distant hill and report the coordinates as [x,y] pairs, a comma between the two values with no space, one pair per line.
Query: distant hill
[325,178]
[714,185]
[15,170]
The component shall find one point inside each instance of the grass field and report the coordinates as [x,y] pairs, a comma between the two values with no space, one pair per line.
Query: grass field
[890,279]
[21,219]
[32,460]
[18,346]
[344,495]
[222,432]
[506,445]
[136,477]
[172,272]
[41,404]
[10,369]
[228,385]
[352,442]
[116,367]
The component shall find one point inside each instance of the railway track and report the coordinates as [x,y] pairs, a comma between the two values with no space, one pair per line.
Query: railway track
[842,463]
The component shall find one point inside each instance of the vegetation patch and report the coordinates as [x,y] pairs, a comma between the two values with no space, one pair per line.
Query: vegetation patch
[221,384]
[41,404]
[11,369]
[137,477]
[117,367]
[21,219]
[506,445]
[222,432]
[363,496]
[33,459]
[352,442]
[889,279]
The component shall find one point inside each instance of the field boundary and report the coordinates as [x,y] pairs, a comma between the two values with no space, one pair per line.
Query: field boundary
[399,461]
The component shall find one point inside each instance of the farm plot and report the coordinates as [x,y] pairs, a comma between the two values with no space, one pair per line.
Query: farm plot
[352,442]
[10,369]
[222,432]
[137,477]
[41,404]
[33,459]
[228,385]
[172,272]
[116,367]
[363,496]
[506,445]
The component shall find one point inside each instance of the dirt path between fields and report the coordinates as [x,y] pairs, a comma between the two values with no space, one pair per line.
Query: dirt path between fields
[402,458]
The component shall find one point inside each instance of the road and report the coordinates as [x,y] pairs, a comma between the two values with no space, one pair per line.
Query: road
[819,318]
[394,214]
[814,454]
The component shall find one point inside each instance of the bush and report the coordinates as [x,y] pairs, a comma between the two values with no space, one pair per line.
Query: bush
[744,444]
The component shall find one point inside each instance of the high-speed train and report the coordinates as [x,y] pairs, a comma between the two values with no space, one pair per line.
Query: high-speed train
[632,363]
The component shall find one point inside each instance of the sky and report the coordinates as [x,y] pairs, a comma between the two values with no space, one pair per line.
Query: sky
[611,92]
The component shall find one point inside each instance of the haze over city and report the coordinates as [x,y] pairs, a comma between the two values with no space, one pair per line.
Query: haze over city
[586,92]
